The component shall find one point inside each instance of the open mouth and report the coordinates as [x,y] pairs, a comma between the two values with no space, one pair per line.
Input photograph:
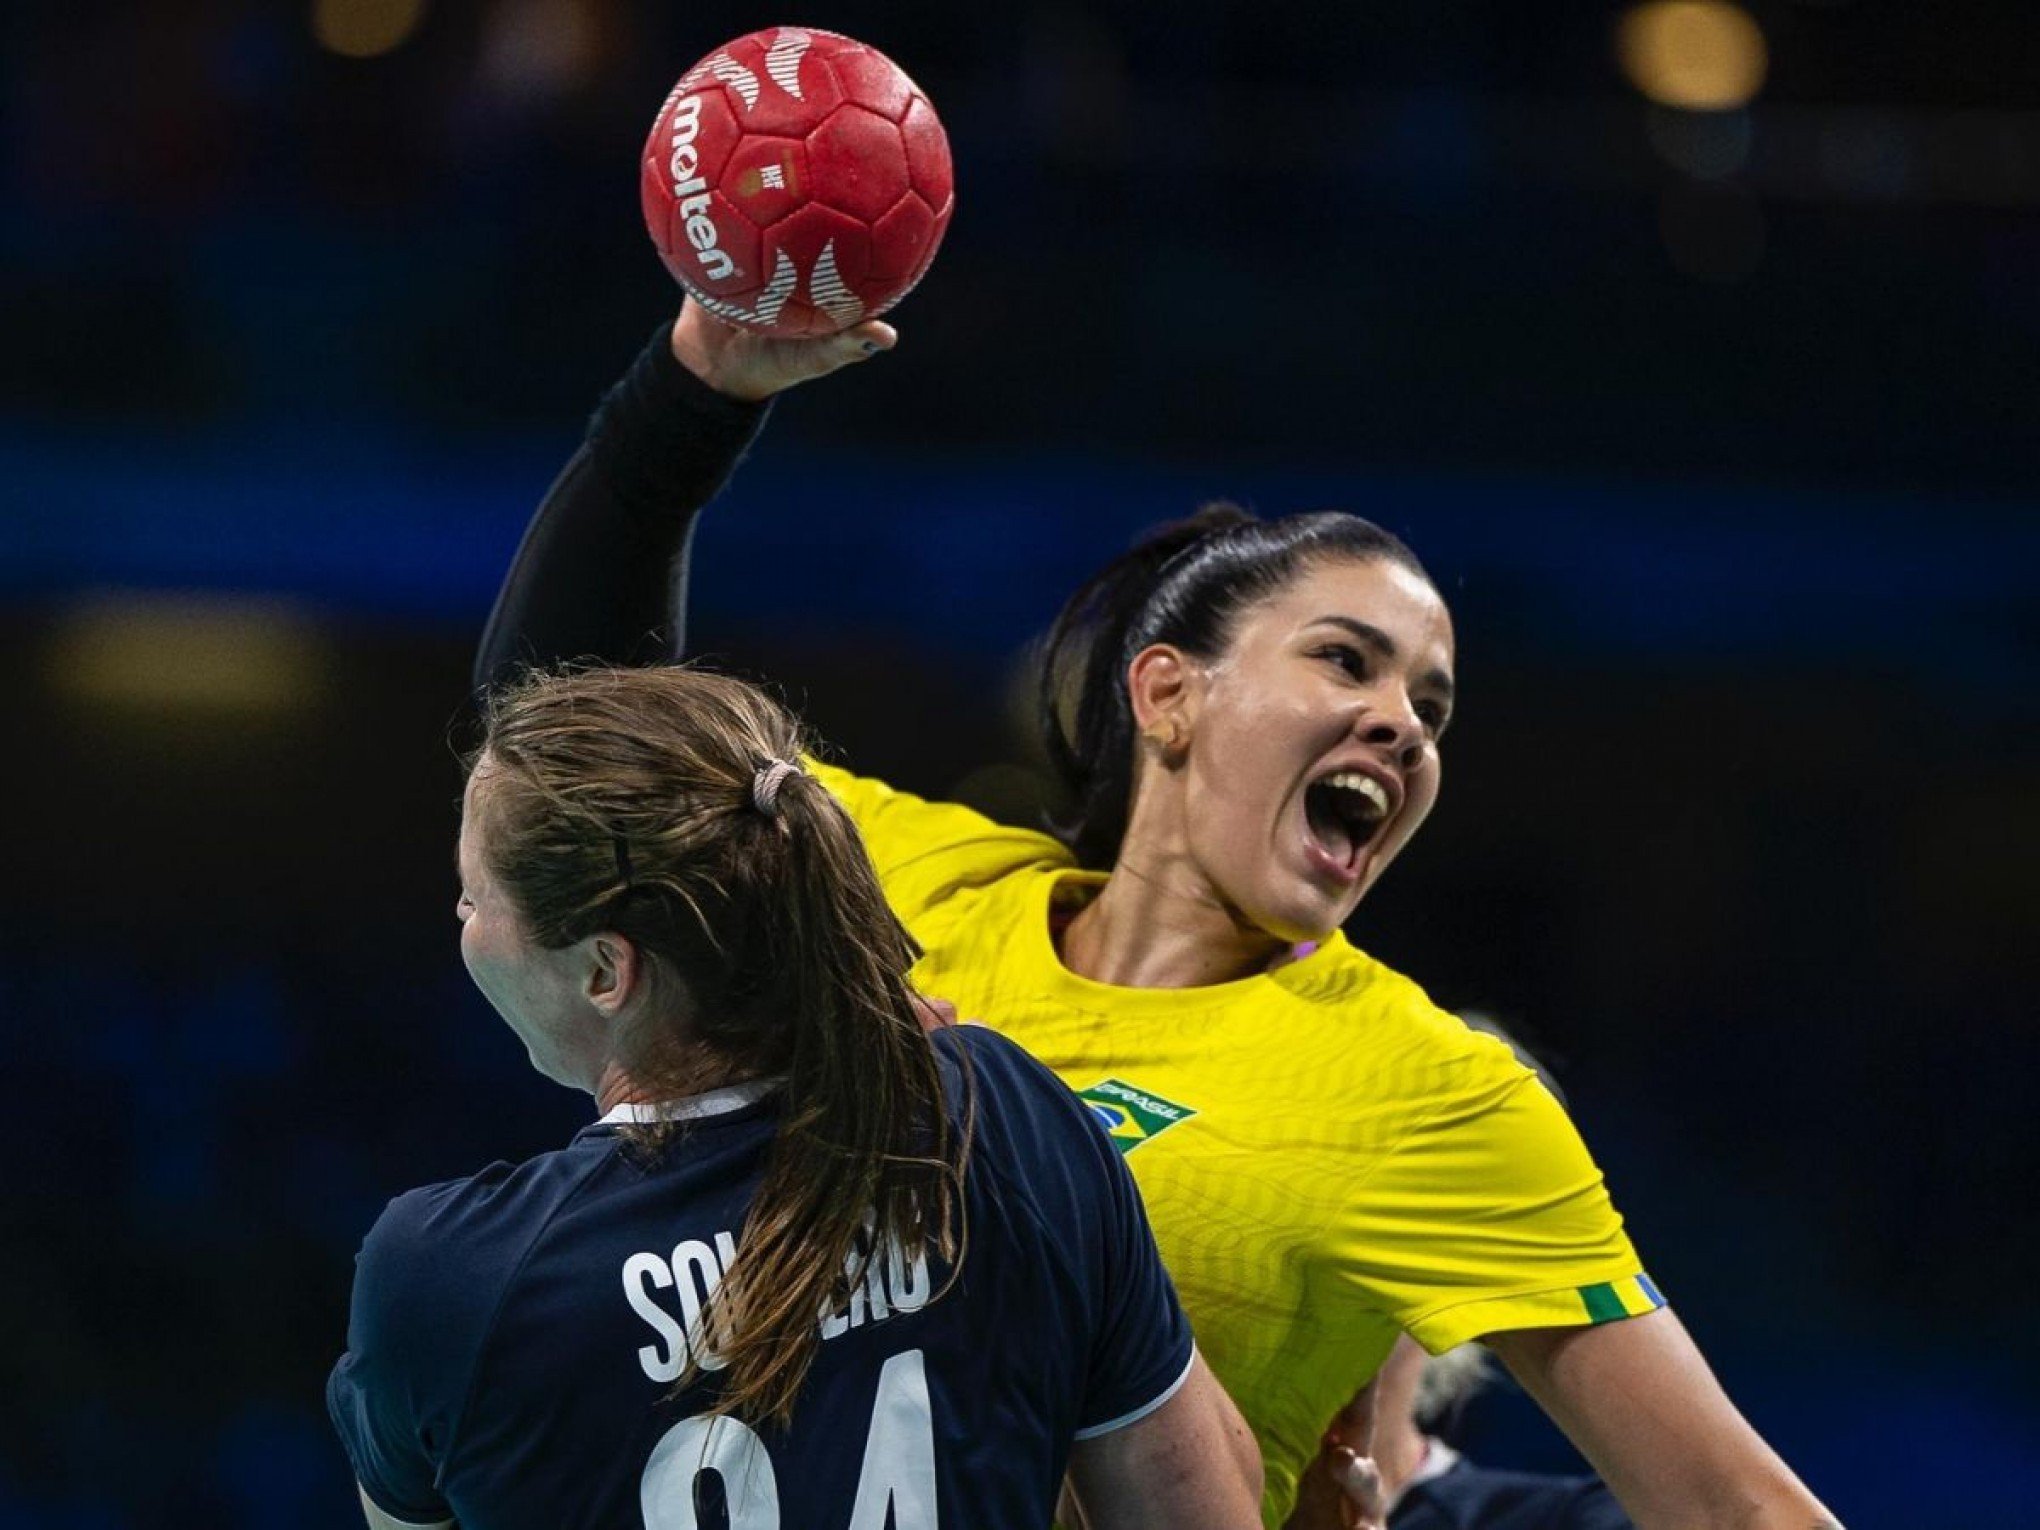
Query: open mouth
[1345,810]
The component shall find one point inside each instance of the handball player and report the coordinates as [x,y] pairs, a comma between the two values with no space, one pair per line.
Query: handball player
[814,1266]
[1248,716]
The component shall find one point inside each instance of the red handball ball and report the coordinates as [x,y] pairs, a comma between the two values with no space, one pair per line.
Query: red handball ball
[797,182]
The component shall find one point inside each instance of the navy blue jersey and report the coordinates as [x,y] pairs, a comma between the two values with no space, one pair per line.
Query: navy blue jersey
[514,1335]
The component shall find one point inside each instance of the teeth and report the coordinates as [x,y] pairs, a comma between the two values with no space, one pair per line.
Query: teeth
[1366,786]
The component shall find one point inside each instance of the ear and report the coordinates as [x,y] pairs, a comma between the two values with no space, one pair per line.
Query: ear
[615,973]
[1161,683]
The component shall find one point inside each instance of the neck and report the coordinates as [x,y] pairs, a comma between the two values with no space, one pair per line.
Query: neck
[616,1087]
[694,1071]
[1159,927]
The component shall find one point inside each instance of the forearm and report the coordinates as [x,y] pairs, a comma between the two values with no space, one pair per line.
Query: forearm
[601,572]
[1639,1401]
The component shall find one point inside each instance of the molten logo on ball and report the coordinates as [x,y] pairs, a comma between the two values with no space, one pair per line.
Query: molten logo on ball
[690,191]
[797,182]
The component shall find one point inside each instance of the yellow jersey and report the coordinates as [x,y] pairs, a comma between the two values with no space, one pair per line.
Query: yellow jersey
[1327,1158]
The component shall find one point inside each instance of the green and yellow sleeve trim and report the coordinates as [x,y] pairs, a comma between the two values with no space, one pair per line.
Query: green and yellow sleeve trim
[1614,1299]
[1605,1301]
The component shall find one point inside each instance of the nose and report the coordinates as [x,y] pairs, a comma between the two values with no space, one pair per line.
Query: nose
[1393,726]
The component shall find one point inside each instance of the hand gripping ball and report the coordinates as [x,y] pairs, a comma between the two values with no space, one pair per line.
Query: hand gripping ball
[797,182]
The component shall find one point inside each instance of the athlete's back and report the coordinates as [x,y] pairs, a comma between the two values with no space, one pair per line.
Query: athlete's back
[813,1267]
[516,1334]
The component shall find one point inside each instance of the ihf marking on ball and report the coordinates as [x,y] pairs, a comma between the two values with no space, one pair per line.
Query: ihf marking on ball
[784,176]
[690,191]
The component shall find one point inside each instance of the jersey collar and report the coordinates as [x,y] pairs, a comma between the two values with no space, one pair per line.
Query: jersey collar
[1067,886]
[695,1107]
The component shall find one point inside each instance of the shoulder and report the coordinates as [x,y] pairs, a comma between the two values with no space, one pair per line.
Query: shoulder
[1067,1234]
[1386,1027]
[428,1286]
[1017,1097]
[1474,1206]
[1030,1134]
[925,849]
[1342,979]
[478,1213]
[436,1260]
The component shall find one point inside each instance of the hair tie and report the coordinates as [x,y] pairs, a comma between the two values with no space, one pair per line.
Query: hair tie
[765,785]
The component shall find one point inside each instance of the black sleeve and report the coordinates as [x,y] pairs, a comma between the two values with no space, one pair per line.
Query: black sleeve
[602,570]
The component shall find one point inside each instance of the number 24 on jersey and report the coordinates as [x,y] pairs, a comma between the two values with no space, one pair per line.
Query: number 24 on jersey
[898,1471]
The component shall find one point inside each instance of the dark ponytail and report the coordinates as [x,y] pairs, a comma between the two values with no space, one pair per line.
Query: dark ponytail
[1184,584]
[668,805]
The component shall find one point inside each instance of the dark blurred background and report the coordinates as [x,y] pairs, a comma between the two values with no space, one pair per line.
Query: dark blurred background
[1691,344]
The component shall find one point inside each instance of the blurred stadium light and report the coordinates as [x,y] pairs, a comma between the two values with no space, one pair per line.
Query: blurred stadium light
[1702,55]
[163,654]
[365,28]
[536,49]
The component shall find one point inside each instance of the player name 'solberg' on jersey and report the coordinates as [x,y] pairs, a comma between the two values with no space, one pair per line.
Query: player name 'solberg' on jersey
[671,1291]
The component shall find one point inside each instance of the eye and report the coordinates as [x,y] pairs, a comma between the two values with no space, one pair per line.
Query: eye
[1348,658]
[1434,715]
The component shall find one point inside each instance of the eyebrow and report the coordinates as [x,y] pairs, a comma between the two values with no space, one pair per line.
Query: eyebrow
[1384,645]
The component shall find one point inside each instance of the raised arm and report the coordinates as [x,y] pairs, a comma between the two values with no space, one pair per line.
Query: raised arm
[601,572]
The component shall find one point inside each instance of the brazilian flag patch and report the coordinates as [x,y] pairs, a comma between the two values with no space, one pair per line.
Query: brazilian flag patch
[1131,1115]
